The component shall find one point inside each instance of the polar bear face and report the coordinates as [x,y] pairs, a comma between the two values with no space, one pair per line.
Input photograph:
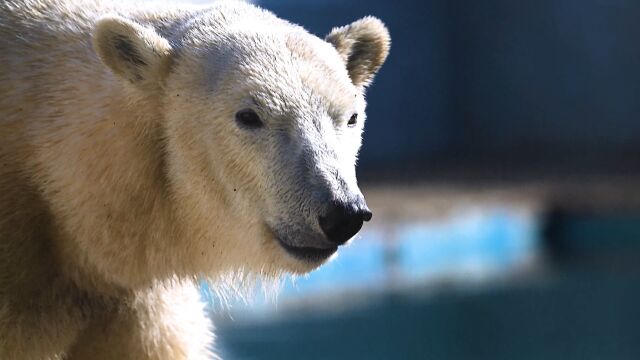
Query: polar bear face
[263,124]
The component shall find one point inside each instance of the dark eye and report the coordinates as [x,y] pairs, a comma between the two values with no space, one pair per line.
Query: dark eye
[353,120]
[249,119]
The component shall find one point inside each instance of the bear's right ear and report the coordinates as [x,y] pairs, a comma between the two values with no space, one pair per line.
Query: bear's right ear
[132,51]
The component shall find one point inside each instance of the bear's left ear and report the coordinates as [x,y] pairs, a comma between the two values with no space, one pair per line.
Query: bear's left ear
[364,46]
[131,50]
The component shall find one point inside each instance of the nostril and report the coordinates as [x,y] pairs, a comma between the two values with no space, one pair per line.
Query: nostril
[366,214]
[342,222]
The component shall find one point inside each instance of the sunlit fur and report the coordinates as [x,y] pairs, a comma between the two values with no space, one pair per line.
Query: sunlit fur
[124,177]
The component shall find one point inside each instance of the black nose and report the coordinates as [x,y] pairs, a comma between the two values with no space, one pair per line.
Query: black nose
[342,221]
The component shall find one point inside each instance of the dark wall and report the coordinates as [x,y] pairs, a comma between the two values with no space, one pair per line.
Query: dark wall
[587,316]
[550,85]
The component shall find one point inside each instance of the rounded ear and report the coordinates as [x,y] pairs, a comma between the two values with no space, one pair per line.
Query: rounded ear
[132,51]
[364,46]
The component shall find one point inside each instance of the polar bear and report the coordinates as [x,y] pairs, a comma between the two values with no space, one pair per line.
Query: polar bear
[144,147]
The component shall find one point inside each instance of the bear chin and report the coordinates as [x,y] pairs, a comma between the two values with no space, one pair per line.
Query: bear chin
[308,254]
[300,245]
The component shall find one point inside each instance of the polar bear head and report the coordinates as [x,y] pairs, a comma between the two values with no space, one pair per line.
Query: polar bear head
[263,123]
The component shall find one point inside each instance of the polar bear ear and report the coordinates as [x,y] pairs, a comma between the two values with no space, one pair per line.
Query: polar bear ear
[135,52]
[364,46]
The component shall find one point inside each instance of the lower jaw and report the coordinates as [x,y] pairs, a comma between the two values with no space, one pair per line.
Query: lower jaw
[309,254]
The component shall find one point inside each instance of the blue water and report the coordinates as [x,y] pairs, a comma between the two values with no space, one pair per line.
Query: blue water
[466,246]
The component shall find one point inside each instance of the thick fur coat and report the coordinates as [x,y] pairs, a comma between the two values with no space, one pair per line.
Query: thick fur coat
[126,171]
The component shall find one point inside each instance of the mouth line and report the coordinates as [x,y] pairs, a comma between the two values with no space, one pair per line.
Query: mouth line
[306,253]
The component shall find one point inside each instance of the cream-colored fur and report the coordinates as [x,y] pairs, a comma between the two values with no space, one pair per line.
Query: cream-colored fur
[123,177]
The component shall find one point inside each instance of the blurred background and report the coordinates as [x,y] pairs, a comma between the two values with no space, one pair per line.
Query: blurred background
[501,160]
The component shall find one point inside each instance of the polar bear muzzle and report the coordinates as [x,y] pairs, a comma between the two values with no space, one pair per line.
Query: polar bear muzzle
[344,220]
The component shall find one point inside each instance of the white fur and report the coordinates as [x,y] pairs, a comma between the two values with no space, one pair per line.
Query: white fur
[124,177]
